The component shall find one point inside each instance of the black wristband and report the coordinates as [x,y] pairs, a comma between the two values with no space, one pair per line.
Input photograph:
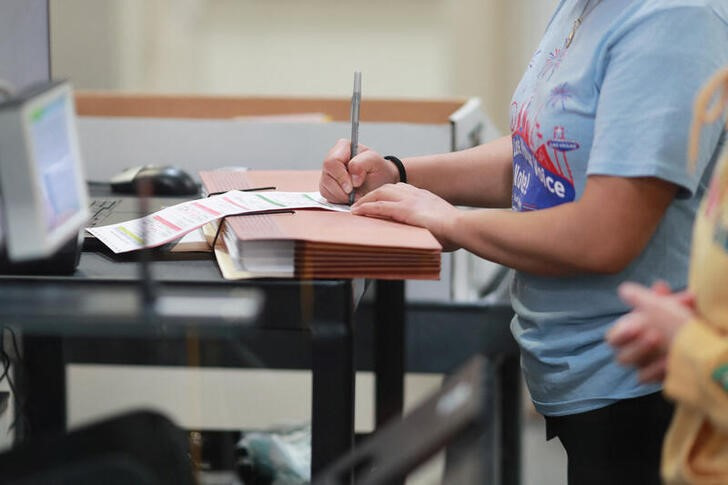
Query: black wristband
[400,166]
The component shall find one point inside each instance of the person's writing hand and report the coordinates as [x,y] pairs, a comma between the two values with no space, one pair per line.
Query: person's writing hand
[363,173]
[410,205]
[642,338]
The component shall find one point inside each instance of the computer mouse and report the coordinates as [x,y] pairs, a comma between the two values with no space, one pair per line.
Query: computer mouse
[165,180]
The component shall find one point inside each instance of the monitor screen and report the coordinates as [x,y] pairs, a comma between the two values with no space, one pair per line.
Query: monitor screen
[51,141]
[42,183]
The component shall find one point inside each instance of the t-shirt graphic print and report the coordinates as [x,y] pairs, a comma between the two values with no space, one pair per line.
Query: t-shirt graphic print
[542,176]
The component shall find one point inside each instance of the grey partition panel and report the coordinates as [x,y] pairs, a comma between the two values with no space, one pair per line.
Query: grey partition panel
[24,42]
[109,145]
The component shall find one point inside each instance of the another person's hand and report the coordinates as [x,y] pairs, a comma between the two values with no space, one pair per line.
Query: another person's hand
[363,173]
[642,338]
[410,205]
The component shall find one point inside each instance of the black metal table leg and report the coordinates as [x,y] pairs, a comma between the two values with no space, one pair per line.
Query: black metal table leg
[332,414]
[511,409]
[389,350]
[42,387]
[331,315]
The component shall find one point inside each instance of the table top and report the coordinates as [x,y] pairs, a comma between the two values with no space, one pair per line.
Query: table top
[106,296]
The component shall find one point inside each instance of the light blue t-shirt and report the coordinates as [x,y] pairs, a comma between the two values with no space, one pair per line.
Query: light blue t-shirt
[618,101]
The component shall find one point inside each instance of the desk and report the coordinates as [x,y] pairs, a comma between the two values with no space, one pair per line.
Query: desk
[432,345]
[47,308]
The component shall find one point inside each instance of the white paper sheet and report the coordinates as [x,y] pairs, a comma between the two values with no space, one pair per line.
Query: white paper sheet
[173,222]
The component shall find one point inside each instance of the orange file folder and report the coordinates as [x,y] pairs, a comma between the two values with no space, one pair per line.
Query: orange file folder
[310,244]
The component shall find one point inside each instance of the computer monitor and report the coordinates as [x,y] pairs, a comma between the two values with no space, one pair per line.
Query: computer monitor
[42,184]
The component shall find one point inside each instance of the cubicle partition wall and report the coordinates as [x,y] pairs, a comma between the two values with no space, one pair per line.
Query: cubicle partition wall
[25,57]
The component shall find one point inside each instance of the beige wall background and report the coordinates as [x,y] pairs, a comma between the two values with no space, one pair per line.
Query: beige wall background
[405,48]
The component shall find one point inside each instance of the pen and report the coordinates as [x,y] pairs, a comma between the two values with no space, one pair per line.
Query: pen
[355,101]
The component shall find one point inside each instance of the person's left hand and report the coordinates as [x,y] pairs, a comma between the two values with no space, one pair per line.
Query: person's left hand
[642,338]
[410,205]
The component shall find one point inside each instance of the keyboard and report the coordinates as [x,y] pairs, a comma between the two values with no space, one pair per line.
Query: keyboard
[100,210]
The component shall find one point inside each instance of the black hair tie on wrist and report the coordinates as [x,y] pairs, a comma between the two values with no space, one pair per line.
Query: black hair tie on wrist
[400,166]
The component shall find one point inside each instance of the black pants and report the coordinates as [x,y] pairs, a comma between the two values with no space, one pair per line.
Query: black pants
[618,444]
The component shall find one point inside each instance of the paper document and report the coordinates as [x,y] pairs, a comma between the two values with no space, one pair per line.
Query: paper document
[171,223]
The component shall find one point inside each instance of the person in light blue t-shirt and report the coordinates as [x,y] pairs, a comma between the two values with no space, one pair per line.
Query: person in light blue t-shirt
[595,177]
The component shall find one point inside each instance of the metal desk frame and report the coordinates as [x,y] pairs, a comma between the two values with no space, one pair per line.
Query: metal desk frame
[322,309]
[329,323]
